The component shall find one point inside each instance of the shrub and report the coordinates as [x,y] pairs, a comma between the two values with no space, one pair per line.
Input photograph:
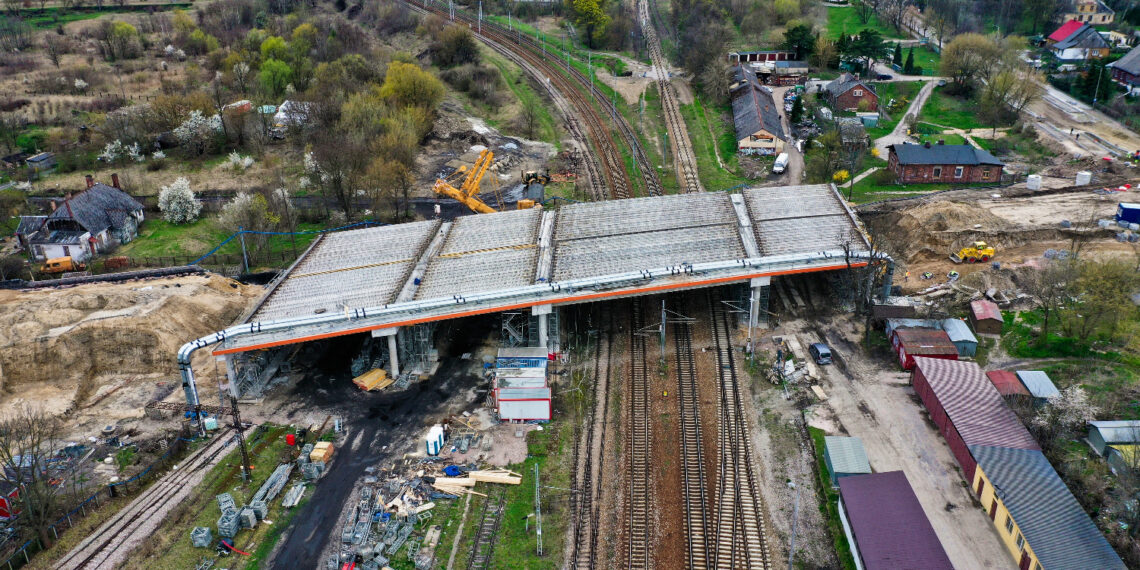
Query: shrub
[177,202]
[455,46]
[883,177]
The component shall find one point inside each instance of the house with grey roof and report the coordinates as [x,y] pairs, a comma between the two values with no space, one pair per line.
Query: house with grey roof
[844,456]
[848,93]
[82,225]
[1126,70]
[1038,519]
[941,163]
[755,114]
[852,134]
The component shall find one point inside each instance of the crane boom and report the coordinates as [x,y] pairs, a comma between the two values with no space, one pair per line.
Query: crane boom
[468,192]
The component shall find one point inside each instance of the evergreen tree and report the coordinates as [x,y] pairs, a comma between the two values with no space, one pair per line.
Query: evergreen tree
[909,67]
[797,110]
[898,59]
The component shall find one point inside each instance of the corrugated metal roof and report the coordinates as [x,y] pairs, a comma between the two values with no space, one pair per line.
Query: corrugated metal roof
[955,154]
[1038,383]
[524,394]
[985,310]
[958,331]
[974,406]
[847,454]
[1069,28]
[1118,431]
[1006,383]
[896,324]
[1085,37]
[890,528]
[523,351]
[1052,521]
[926,341]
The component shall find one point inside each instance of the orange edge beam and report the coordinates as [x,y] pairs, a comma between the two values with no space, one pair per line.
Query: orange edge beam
[498,309]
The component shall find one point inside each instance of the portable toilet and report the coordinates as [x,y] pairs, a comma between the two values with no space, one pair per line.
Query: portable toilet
[434,440]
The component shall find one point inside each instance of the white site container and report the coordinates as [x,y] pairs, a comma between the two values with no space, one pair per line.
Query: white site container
[434,440]
[1033,181]
[1084,177]
[524,403]
[520,377]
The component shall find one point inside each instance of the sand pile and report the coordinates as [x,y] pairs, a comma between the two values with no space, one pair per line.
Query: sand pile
[70,337]
[932,228]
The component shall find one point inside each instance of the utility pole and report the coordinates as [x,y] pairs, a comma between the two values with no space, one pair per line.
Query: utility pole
[244,257]
[451,9]
[537,509]
[245,473]
[480,17]
[1097,91]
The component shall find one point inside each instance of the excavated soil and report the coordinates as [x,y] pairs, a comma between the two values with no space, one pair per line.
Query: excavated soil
[72,341]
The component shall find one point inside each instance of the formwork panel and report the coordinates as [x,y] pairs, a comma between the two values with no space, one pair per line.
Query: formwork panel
[640,215]
[791,202]
[478,272]
[618,254]
[787,236]
[504,229]
[357,248]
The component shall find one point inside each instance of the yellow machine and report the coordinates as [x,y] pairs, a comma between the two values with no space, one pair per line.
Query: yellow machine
[978,251]
[61,265]
[468,192]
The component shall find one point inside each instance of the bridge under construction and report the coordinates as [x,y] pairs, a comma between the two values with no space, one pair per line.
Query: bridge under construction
[395,281]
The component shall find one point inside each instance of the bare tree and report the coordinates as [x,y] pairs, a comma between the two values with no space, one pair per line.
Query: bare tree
[1051,287]
[55,46]
[29,440]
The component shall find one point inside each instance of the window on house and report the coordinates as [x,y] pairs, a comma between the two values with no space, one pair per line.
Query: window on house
[958,172]
[938,172]
[986,173]
[1020,542]
[1009,524]
[857,92]
[1036,566]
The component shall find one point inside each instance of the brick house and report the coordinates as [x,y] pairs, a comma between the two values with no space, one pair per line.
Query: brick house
[1089,11]
[846,92]
[954,163]
[1126,70]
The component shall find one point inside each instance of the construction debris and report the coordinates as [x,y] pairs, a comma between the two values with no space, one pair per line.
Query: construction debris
[375,379]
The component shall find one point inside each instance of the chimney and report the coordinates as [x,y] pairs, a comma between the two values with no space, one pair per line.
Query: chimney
[90,181]
[940,143]
[53,205]
[926,144]
[115,180]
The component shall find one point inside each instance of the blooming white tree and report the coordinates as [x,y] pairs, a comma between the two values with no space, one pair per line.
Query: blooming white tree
[238,162]
[135,152]
[158,155]
[80,85]
[198,130]
[112,152]
[177,202]
[1065,414]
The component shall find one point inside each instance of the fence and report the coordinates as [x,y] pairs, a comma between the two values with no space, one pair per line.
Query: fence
[24,553]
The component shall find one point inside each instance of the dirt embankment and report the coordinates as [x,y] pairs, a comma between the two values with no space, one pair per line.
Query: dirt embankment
[68,337]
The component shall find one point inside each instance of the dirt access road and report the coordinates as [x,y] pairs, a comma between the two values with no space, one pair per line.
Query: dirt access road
[871,399]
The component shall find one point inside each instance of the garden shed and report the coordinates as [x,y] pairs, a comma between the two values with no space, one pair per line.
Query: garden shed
[1038,384]
[844,456]
[986,317]
[960,335]
[910,343]
[1103,434]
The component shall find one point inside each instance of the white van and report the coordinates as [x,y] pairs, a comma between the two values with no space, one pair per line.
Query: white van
[781,163]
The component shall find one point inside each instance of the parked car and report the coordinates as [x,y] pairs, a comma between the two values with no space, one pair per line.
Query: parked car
[885,77]
[781,163]
[820,353]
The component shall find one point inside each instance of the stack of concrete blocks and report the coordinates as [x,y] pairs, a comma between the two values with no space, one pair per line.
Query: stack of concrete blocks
[201,537]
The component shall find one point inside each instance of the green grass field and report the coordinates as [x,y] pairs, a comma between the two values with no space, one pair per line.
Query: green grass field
[527,96]
[158,238]
[951,112]
[846,21]
[867,190]
[700,121]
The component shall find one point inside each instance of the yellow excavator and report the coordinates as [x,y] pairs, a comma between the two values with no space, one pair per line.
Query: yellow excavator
[468,192]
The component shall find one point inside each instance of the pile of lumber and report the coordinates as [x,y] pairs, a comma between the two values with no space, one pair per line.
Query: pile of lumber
[322,451]
[463,485]
[375,379]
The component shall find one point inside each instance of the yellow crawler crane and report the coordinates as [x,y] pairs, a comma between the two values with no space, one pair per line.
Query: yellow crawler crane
[977,251]
[468,192]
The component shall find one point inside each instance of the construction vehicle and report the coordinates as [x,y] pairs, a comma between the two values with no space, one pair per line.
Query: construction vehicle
[468,192]
[977,251]
[62,265]
[534,177]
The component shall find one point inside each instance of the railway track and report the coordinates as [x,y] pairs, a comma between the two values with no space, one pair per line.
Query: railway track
[694,484]
[638,506]
[108,545]
[588,474]
[684,159]
[486,535]
[739,540]
[608,175]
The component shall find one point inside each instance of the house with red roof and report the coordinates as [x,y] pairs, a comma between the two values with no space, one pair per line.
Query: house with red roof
[1077,42]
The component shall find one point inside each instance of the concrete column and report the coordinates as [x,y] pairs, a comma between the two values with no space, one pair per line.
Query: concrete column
[393,357]
[758,303]
[393,350]
[543,314]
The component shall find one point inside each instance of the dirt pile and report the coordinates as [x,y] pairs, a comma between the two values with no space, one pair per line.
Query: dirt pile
[71,337]
[932,228]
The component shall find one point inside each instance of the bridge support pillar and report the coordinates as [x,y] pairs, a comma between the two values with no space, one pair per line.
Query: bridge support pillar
[758,303]
[393,352]
[543,314]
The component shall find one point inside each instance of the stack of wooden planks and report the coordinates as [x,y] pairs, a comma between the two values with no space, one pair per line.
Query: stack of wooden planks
[463,485]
